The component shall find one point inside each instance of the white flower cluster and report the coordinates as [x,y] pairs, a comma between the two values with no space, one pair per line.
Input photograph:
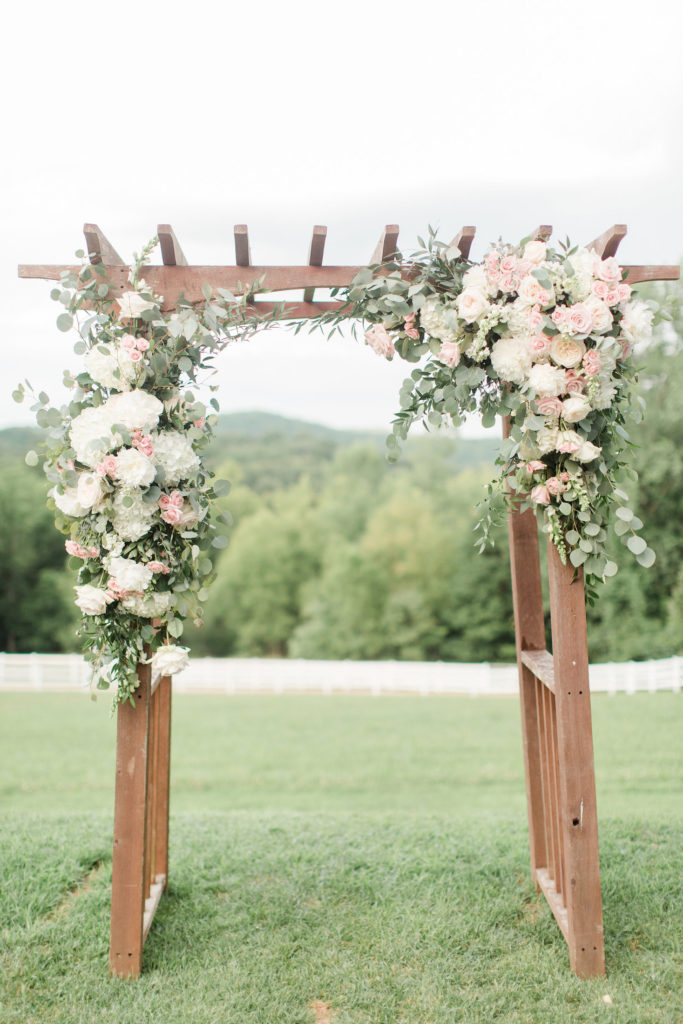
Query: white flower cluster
[93,434]
[173,451]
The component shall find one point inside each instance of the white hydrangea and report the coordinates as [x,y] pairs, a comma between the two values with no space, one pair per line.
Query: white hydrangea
[547,380]
[111,366]
[129,574]
[510,359]
[433,321]
[174,453]
[135,520]
[148,606]
[547,438]
[133,469]
[636,323]
[134,410]
[91,435]
[580,283]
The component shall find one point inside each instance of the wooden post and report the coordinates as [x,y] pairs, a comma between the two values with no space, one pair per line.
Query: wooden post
[578,820]
[128,866]
[163,779]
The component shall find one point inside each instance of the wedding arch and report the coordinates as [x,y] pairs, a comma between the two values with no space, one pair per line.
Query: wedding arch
[554,688]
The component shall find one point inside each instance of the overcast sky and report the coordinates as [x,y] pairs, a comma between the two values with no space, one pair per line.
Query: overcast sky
[352,115]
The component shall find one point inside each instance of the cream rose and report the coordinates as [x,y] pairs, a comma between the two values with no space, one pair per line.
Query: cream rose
[169,660]
[587,452]
[91,600]
[532,292]
[449,354]
[471,303]
[546,380]
[535,251]
[601,314]
[567,351]
[89,490]
[575,408]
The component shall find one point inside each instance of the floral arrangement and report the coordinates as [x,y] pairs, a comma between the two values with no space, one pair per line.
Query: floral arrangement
[544,336]
[129,488]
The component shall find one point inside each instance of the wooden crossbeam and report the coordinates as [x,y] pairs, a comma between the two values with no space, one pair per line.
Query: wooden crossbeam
[542,233]
[387,245]
[98,247]
[463,240]
[608,242]
[315,255]
[171,253]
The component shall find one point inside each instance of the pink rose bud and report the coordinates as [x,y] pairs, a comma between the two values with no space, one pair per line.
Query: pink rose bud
[592,362]
[72,548]
[200,423]
[565,477]
[128,342]
[176,499]
[538,345]
[540,495]
[554,485]
[158,567]
[568,447]
[93,553]
[172,515]
[135,356]
[164,502]
[506,283]
[535,466]
[141,344]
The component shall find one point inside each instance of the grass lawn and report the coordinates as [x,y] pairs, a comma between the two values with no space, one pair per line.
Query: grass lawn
[369,855]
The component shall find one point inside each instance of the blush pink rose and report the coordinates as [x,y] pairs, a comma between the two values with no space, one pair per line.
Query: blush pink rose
[565,477]
[607,270]
[624,291]
[172,515]
[107,467]
[538,345]
[573,384]
[143,443]
[128,342]
[410,328]
[535,318]
[506,283]
[159,567]
[508,265]
[535,466]
[540,494]
[559,315]
[449,354]
[549,406]
[613,297]
[592,361]
[72,548]
[579,319]
[600,290]
[135,356]
[554,485]
[568,447]
[141,344]
[172,500]
[379,340]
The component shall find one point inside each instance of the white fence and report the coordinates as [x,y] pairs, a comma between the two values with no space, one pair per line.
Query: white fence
[68,672]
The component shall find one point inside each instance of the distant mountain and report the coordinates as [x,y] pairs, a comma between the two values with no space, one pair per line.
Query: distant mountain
[275,451]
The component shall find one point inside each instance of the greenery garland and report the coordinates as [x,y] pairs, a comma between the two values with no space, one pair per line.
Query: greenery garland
[543,336]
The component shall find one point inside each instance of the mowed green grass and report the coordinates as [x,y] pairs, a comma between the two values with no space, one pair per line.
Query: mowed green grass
[369,855]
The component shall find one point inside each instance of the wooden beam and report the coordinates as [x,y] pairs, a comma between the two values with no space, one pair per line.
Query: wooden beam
[242,247]
[463,240]
[99,248]
[315,255]
[608,242]
[542,233]
[171,253]
[387,245]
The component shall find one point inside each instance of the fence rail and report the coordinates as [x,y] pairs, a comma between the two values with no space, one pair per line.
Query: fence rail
[69,672]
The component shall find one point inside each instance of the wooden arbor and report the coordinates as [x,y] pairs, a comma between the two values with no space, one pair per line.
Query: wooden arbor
[554,688]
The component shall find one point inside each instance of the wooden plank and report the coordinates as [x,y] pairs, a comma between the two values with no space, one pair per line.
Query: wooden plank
[463,240]
[542,233]
[547,887]
[545,779]
[529,636]
[608,242]
[315,254]
[128,865]
[163,778]
[560,875]
[387,245]
[541,664]
[578,808]
[157,888]
[171,253]
[98,247]
[637,275]
[242,247]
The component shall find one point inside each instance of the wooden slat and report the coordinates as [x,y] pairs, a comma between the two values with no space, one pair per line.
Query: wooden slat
[99,248]
[315,254]
[559,877]
[578,809]
[242,247]
[542,233]
[637,275]
[608,242]
[541,664]
[463,240]
[547,887]
[387,245]
[152,903]
[171,253]
[545,778]
[128,865]
[163,778]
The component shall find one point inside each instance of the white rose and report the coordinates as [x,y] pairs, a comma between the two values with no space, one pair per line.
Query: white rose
[547,380]
[169,660]
[476,277]
[587,452]
[134,410]
[129,574]
[535,252]
[510,359]
[575,408]
[449,354]
[132,304]
[89,490]
[567,351]
[636,323]
[68,502]
[91,600]
[601,313]
[471,303]
[133,468]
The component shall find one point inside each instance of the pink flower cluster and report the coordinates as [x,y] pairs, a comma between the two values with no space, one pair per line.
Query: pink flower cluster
[107,467]
[134,347]
[171,506]
[507,271]
[115,591]
[159,567]
[73,548]
[613,295]
[554,485]
[143,442]
[379,340]
[410,328]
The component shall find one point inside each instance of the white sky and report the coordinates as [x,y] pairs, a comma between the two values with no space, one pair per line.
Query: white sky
[352,115]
